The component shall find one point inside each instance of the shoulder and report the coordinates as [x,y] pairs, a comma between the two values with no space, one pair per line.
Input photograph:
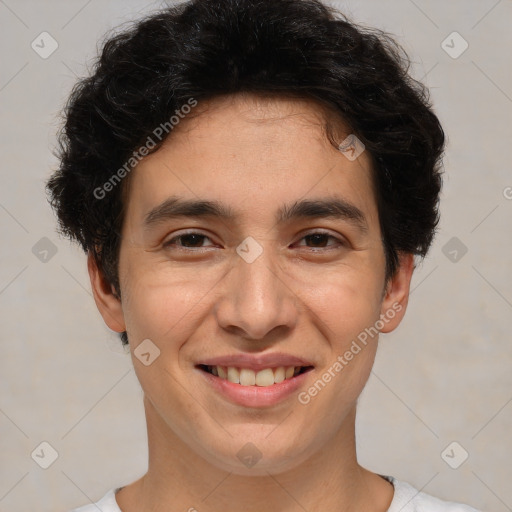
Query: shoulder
[107,504]
[409,499]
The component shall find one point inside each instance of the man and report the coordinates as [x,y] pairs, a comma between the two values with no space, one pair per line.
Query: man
[251,181]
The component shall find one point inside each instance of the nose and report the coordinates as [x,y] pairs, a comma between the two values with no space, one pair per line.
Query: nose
[256,299]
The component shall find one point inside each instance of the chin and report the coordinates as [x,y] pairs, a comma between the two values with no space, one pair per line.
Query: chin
[256,455]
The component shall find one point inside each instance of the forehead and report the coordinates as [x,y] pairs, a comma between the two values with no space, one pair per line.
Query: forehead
[264,116]
[252,152]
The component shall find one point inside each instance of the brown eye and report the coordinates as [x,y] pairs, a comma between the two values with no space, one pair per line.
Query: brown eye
[320,240]
[188,241]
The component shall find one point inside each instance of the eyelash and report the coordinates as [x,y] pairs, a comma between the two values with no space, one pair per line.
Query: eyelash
[197,249]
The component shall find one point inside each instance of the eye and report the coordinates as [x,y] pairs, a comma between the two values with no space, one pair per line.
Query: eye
[191,240]
[194,240]
[318,238]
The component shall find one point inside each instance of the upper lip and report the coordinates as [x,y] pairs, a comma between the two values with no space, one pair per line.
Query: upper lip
[256,362]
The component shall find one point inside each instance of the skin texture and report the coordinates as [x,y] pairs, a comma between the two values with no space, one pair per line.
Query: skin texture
[309,299]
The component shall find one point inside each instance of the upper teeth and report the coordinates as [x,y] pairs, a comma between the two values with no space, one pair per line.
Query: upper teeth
[247,377]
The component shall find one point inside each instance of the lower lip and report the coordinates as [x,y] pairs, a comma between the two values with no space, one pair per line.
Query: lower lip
[255,396]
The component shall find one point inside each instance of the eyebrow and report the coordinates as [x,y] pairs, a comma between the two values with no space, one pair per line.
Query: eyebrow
[329,207]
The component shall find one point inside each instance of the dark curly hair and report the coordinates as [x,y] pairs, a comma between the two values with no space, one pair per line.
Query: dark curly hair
[205,48]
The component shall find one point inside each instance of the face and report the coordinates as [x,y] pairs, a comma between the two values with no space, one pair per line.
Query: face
[270,278]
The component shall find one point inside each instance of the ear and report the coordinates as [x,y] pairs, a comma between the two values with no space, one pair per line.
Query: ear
[396,296]
[104,295]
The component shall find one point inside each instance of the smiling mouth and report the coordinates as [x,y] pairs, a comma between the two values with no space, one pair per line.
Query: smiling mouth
[248,377]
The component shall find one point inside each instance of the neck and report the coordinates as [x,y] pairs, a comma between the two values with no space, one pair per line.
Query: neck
[178,478]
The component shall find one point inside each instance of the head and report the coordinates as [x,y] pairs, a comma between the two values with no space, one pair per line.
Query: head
[245,107]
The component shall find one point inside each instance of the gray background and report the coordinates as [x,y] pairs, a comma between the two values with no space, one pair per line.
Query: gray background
[444,376]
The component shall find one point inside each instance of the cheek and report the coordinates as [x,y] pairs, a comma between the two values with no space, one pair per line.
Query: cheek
[162,303]
[165,302]
[346,307]
[346,300]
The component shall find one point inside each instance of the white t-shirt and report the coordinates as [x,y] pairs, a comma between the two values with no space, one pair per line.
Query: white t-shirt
[405,499]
